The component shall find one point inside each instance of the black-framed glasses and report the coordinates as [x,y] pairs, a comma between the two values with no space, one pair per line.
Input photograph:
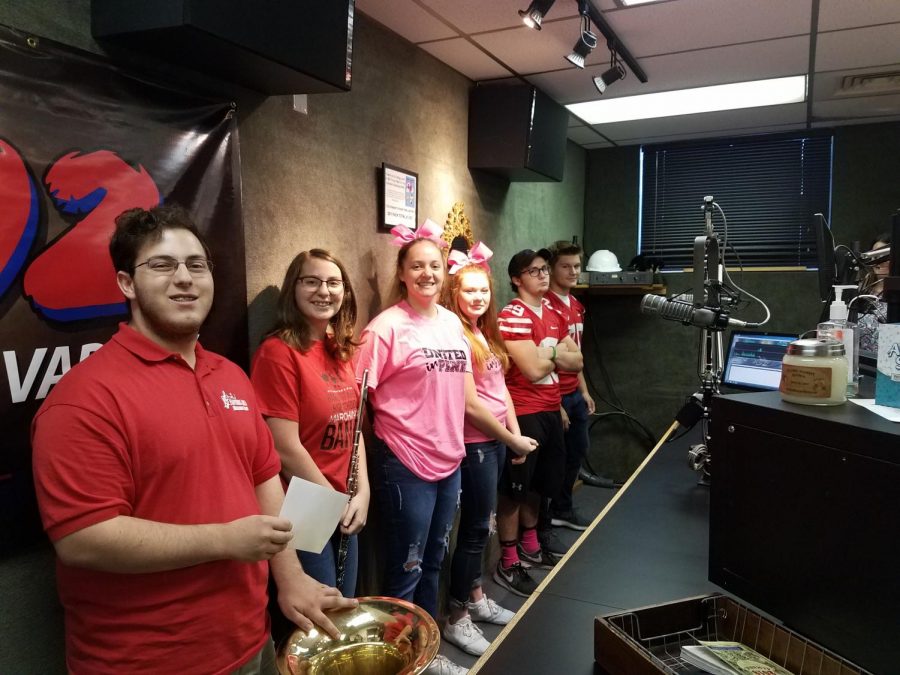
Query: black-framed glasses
[315,283]
[197,266]
[537,271]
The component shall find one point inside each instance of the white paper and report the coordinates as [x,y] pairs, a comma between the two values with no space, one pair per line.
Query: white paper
[888,413]
[314,511]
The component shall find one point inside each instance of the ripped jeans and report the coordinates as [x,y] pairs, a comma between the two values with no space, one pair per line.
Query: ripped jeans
[480,471]
[418,516]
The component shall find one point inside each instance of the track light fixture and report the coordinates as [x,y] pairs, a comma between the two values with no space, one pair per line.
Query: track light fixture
[585,45]
[535,13]
[615,72]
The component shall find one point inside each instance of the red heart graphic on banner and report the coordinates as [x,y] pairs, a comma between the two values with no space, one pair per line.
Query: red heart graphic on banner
[18,216]
[74,277]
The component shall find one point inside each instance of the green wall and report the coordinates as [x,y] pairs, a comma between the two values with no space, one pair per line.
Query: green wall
[311,180]
[652,363]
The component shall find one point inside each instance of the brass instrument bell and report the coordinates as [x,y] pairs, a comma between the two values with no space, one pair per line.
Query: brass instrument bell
[381,636]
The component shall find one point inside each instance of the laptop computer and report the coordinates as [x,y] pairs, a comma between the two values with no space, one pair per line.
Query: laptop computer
[753,361]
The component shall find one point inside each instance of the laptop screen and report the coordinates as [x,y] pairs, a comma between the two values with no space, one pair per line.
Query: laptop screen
[754,360]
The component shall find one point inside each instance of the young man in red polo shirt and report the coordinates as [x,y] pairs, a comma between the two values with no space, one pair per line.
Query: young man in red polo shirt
[539,346]
[157,482]
[565,267]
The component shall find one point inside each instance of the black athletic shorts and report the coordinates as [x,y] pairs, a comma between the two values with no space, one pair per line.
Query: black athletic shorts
[543,469]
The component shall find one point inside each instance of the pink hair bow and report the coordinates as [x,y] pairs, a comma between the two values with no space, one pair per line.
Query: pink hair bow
[479,255]
[428,230]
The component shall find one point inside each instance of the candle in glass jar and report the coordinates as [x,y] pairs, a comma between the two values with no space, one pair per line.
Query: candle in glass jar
[814,372]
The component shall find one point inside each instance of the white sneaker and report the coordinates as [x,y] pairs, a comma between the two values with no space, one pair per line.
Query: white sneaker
[467,636]
[441,665]
[489,611]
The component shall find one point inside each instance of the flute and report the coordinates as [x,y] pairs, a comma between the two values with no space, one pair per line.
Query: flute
[352,477]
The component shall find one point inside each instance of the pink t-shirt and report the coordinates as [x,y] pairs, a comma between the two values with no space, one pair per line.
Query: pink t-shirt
[416,387]
[490,384]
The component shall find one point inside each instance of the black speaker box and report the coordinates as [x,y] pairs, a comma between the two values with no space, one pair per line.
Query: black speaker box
[275,46]
[517,131]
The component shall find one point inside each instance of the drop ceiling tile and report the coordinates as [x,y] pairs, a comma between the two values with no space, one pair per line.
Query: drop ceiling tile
[837,14]
[528,51]
[859,48]
[475,16]
[584,134]
[861,108]
[683,25]
[851,122]
[719,65]
[406,18]
[829,85]
[748,118]
[462,55]
[724,133]
[597,146]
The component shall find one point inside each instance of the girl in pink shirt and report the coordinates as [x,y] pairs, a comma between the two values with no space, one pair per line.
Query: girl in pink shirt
[417,360]
[490,428]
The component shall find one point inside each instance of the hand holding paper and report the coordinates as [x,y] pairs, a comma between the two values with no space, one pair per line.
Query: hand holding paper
[314,511]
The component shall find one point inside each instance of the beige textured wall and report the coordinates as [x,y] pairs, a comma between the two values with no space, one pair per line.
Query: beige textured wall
[312,180]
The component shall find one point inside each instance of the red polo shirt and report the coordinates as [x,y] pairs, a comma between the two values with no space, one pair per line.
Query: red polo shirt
[134,431]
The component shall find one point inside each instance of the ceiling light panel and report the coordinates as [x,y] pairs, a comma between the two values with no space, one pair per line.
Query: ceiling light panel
[778,91]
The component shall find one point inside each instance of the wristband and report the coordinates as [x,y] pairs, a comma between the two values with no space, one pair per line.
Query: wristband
[553,356]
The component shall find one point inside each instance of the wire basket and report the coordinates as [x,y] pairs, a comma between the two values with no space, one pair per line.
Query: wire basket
[658,634]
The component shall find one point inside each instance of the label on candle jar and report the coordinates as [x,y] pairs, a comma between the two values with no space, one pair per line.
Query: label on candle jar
[809,381]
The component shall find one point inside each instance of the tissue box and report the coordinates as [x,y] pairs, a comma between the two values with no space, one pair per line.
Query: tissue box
[887,380]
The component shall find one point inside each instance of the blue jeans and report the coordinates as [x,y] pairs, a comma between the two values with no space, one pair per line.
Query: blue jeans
[577,442]
[323,566]
[418,516]
[480,472]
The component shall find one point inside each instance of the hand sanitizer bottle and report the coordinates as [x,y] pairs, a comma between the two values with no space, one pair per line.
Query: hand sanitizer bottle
[840,328]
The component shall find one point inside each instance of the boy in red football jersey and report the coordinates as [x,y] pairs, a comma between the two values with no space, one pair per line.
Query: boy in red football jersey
[537,338]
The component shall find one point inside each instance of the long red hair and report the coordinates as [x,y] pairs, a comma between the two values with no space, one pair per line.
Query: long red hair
[487,322]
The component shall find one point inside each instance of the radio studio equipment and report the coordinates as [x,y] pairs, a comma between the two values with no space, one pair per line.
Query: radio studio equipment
[708,308]
[686,313]
[381,636]
[353,475]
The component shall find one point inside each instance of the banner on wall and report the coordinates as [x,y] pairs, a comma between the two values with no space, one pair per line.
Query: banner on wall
[80,142]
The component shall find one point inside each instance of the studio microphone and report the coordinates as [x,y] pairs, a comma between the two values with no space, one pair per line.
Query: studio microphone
[876,255]
[686,313]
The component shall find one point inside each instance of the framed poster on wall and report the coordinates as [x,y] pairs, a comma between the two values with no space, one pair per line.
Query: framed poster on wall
[399,197]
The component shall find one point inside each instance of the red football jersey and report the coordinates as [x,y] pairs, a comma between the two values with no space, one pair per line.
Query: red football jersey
[545,328]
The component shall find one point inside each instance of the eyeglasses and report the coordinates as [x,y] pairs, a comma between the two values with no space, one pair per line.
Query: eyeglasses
[544,270]
[197,266]
[315,283]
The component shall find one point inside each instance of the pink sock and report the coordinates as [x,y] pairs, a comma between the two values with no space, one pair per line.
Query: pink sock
[529,540]
[508,554]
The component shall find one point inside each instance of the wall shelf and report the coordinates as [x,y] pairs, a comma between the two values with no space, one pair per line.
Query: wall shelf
[621,289]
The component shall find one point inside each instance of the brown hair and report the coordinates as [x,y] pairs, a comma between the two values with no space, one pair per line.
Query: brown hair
[293,328]
[561,248]
[398,289]
[137,226]
[487,322]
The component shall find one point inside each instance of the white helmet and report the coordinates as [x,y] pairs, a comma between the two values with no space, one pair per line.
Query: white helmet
[603,261]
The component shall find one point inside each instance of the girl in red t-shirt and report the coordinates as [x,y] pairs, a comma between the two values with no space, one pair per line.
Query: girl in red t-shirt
[308,394]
